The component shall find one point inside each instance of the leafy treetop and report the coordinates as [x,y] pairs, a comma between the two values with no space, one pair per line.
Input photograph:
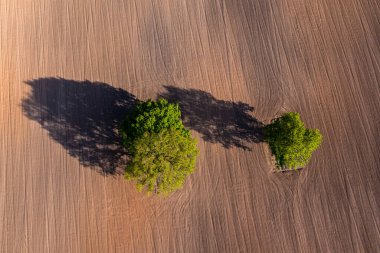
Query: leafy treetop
[290,141]
[152,116]
[162,161]
[163,153]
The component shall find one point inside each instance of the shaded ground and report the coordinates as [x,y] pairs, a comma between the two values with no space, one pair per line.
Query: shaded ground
[226,122]
[84,117]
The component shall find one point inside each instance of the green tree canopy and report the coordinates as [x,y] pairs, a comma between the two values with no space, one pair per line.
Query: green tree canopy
[162,150]
[290,141]
[151,116]
[162,161]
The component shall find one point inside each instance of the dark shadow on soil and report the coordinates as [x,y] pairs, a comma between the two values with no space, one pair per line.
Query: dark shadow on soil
[226,122]
[83,117]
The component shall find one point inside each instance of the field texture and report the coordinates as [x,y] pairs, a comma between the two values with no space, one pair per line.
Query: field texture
[70,70]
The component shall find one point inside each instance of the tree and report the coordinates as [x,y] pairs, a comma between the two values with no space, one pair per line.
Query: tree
[290,141]
[162,150]
[162,161]
[151,116]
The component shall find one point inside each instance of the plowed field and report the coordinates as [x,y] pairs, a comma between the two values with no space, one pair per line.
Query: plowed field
[69,71]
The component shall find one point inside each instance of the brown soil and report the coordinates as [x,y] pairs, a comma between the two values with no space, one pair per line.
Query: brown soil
[231,65]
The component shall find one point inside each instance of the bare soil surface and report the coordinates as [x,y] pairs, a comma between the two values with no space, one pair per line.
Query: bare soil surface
[70,70]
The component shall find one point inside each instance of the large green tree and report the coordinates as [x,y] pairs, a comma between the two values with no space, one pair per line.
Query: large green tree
[162,161]
[151,116]
[162,150]
[290,141]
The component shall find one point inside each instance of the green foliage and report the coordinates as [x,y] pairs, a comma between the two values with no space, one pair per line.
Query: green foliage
[290,142]
[163,152]
[162,161]
[152,117]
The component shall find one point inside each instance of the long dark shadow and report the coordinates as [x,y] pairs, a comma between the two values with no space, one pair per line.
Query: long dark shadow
[83,117]
[226,122]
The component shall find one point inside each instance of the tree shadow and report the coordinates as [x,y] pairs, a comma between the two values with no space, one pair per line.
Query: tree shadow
[226,122]
[83,117]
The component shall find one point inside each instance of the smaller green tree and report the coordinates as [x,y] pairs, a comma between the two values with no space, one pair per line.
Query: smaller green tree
[290,141]
[162,161]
